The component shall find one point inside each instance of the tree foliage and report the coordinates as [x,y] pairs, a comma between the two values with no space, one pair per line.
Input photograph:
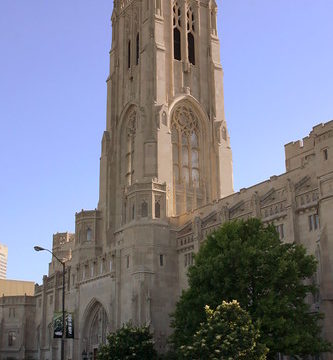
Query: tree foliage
[227,333]
[129,342]
[246,261]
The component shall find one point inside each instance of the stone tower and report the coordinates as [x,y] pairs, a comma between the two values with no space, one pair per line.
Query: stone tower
[166,132]
[166,149]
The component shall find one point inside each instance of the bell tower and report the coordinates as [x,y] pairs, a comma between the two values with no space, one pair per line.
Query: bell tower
[165,109]
[166,149]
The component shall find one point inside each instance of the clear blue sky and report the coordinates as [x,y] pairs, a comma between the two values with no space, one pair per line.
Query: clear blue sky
[277,58]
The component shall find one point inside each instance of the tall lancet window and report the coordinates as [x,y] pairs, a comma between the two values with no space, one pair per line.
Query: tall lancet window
[129,54]
[130,147]
[185,147]
[137,49]
[177,25]
[190,35]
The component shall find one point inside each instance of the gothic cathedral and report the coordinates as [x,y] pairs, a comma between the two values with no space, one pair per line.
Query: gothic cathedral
[165,183]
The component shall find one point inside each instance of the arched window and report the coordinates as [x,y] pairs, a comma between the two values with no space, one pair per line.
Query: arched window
[137,48]
[190,36]
[129,54]
[89,234]
[177,24]
[185,146]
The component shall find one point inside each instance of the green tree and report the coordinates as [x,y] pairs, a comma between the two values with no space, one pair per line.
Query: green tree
[227,333]
[246,261]
[129,342]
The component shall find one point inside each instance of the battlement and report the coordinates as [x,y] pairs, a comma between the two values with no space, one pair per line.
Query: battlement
[296,151]
[60,239]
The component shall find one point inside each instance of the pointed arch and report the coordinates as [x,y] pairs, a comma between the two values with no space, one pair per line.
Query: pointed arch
[95,326]
[127,130]
[188,127]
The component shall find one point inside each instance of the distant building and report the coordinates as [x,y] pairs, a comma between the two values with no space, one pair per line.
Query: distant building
[16,288]
[3,261]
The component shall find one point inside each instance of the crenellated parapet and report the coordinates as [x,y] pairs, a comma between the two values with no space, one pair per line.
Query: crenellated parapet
[314,146]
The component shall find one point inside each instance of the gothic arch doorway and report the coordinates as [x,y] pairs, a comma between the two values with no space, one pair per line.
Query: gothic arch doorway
[95,329]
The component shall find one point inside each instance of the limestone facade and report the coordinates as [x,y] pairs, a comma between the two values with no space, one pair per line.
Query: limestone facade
[166,182]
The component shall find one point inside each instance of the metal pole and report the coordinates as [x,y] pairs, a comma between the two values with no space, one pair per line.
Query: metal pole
[63,314]
[39,248]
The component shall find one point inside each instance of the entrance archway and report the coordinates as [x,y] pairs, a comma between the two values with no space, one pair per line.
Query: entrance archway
[96,328]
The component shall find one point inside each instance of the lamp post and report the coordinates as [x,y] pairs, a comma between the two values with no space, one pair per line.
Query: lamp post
[39,248]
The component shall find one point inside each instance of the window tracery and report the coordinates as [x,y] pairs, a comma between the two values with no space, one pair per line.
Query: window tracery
[185,146]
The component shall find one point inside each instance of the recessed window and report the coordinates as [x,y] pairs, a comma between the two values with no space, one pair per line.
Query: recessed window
[157,209]
[11,338]
[313,221]
[280,230]
[137,49]
[144,208]
[191,49]
[316,221]
[89,234]
[127,261]
[325,154]
[133,212]
[188,259]
[129,54]
[161,260]
[177,53]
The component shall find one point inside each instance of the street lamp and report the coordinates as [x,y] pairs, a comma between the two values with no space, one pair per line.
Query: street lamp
[39,248]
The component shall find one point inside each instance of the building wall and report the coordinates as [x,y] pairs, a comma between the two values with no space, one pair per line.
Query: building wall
[17,327]
[16,288]
[3,261]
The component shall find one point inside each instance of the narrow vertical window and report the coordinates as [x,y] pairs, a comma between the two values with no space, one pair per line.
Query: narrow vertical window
[89,234]
[133,212]
[129,54]
[310,222]
[191,50]
[127,261]
[176,44]
[161,260]
[144,208]
[137,49]
[130,139]
[190,36]
[325,153]
[177,24]
[316,221]
[157,209]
